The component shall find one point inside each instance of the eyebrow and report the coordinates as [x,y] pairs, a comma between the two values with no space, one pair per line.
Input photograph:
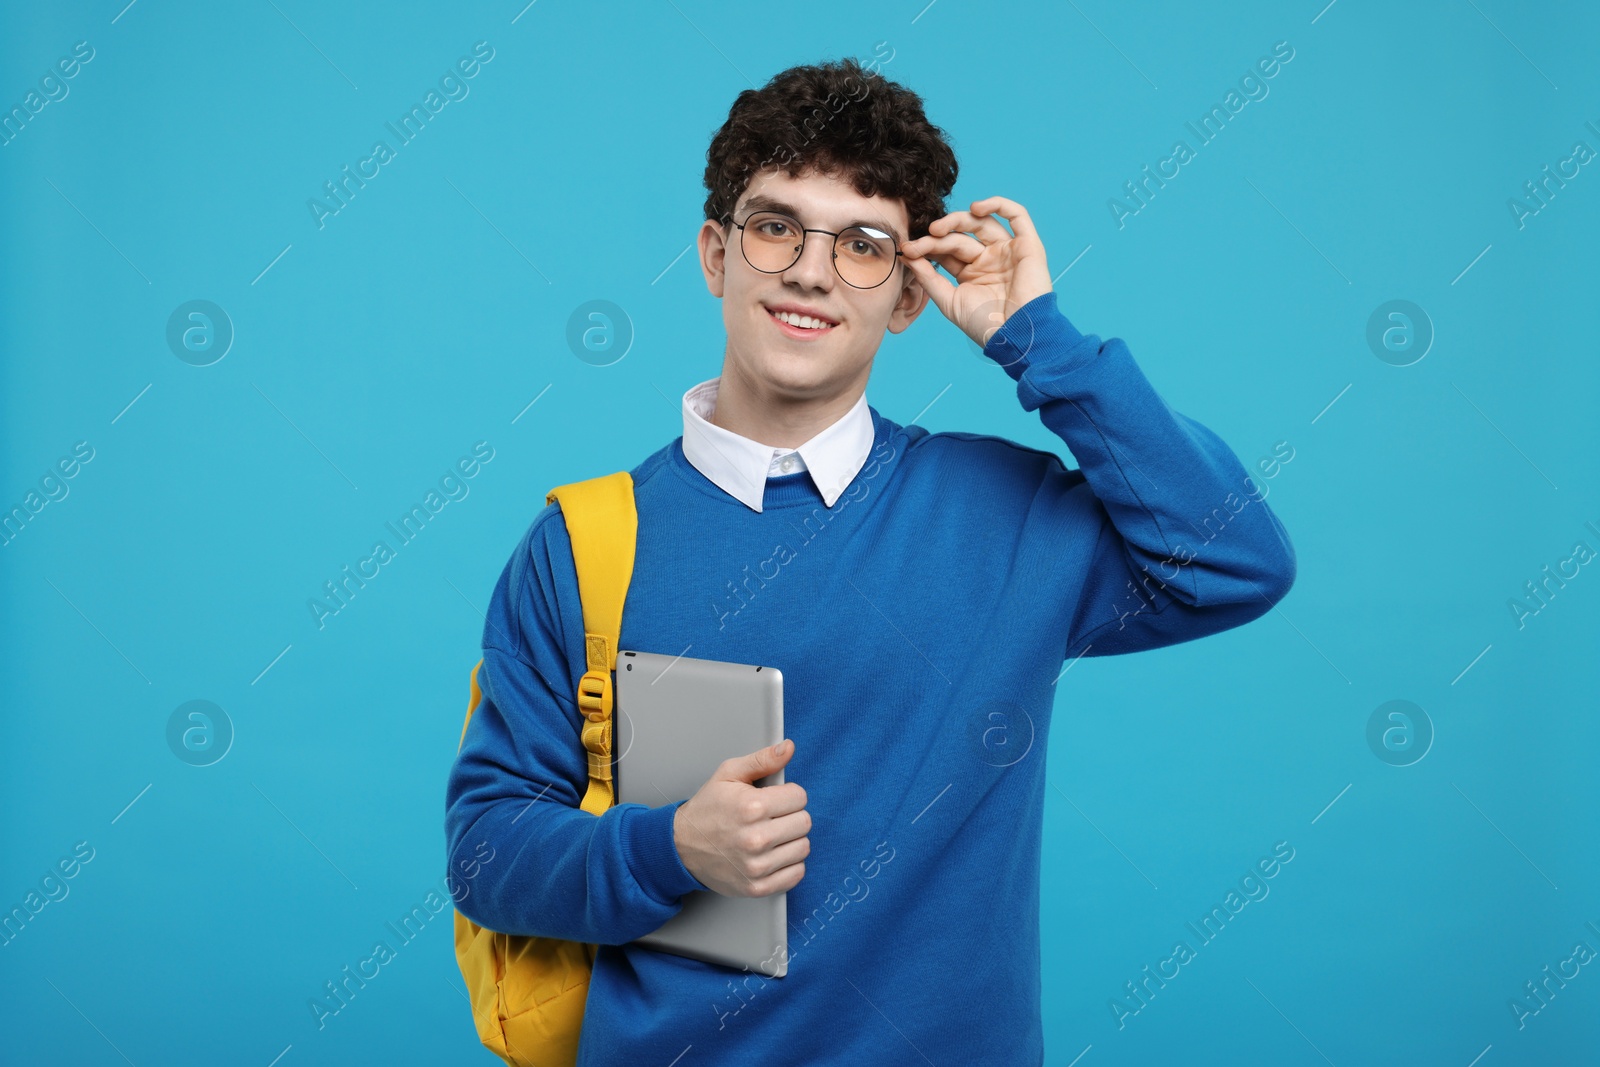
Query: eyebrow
[761,202]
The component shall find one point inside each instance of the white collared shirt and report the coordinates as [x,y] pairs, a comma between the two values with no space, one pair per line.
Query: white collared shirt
[741,467]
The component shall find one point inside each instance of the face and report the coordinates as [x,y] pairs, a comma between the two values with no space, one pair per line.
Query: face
[778,363]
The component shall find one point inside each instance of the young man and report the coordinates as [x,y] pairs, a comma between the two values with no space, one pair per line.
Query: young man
[920,593]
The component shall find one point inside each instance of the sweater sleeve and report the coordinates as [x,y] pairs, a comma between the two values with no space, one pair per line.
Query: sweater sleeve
[1164,535]
[513,794]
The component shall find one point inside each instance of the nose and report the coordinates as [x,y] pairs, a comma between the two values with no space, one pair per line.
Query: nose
[814,268]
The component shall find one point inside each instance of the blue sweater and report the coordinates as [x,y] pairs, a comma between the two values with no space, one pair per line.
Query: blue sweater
[920,625]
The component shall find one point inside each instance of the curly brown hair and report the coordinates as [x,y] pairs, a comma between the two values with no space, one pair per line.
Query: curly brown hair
[839,119]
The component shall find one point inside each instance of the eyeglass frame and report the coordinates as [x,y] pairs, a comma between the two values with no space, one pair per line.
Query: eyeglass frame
[833,249]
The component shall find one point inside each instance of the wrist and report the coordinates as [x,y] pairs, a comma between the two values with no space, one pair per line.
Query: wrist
[678,839]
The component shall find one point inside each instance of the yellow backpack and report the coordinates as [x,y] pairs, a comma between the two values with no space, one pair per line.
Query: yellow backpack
[528,993]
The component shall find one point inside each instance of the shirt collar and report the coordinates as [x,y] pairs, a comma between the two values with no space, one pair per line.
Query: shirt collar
[740,467]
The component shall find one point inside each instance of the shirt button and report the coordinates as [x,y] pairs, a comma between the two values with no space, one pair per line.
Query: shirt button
[788,464]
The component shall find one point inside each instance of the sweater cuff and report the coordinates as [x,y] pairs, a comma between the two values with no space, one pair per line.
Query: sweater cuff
[651,853]
[1038,335]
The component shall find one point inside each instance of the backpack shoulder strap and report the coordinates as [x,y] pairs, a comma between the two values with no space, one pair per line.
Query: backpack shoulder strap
[603,525]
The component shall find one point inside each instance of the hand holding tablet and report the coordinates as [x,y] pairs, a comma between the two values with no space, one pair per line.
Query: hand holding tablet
[744,841]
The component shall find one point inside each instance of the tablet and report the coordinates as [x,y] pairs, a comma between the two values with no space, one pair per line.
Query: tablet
[676,719]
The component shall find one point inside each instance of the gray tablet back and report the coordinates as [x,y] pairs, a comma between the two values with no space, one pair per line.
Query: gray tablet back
[676,719]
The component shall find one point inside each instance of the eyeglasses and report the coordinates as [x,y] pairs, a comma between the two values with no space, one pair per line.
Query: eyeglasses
[772,243]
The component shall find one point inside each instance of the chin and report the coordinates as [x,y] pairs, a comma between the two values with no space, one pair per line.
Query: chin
[796,381]
[793,369]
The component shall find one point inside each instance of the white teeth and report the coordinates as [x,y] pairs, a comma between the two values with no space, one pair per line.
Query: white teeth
[803,321]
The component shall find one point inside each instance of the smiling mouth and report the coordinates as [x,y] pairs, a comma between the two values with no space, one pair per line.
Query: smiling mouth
[796,326]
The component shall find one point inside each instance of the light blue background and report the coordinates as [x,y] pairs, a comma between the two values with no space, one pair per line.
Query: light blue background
[432,310]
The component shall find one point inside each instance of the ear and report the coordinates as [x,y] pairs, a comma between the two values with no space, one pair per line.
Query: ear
[714,255]
[913,298]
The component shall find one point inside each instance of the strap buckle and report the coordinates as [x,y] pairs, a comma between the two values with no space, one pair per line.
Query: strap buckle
[594,694]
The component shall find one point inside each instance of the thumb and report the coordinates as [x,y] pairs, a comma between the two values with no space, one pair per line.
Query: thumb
[757,764]
[937,286]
